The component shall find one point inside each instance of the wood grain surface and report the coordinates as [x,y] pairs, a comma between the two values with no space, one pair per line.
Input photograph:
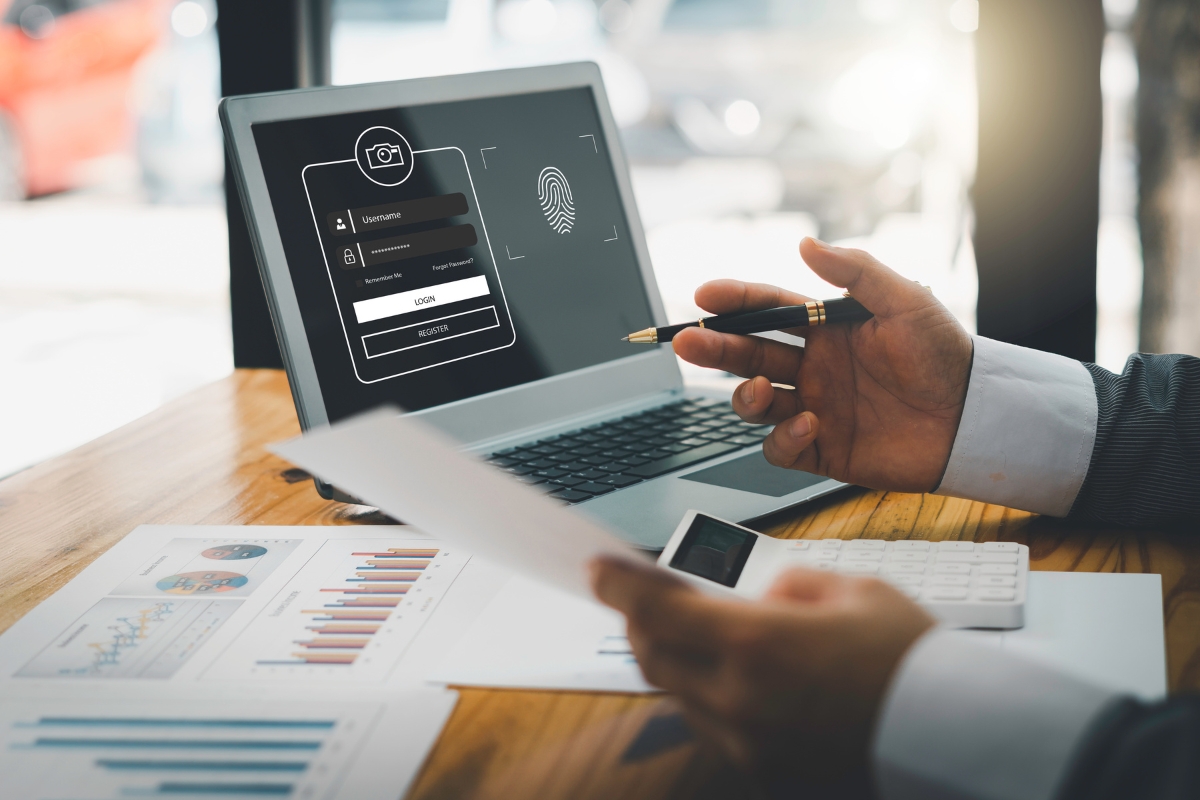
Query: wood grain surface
[201,460]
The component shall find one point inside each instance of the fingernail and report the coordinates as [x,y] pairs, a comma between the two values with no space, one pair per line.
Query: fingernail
[819,243]
[748,392]
[801,427]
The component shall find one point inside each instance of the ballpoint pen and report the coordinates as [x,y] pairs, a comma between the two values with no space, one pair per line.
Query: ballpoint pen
[811,314]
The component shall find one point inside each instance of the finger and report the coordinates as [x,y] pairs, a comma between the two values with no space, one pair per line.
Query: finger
[758,402]
[806,585]
[791,443]
[882,290]
[727,296]
[746,356]
[683,672]
[661,605]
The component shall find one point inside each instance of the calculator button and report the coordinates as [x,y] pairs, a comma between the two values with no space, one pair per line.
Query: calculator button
[995,594]
[977,558]
[998,569]
[825,555]
[906,580]
[863,555]
[951,569]
[956,547]
[828,566]
[949,580]
[800,545]
[996,580]
[906,569]
[1001,547]
[831,544]
[909,591]
[860,567]
[910,558]
[866,544]
[908,545]
[946,593]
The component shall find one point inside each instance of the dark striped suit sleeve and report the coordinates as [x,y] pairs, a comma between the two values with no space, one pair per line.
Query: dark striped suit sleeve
[1145,466]
[1137,751]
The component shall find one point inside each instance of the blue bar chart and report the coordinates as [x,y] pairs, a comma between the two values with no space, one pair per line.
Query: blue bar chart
[143,750]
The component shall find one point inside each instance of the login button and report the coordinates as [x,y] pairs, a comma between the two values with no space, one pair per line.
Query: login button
[435,330]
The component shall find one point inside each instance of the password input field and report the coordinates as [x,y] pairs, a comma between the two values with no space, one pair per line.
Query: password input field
[393,305]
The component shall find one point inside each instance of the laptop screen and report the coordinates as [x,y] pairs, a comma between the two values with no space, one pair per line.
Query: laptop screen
[442,251]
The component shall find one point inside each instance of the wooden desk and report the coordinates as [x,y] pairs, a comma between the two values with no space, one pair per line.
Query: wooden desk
[200,460]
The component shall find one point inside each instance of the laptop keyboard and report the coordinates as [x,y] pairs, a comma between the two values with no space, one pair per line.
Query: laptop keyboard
[593,461]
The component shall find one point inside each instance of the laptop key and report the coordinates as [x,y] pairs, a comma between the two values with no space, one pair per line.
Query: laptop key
[693,442]
[520,469]
[594,488]
[675,449]
[680,460]
[553,472]
[503,462]
[634,461]
[591,474]
[542,463]
[614,466]
[568,480]
[571,496]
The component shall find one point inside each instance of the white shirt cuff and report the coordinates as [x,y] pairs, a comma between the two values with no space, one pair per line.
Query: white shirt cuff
[1027,430]
[964,721]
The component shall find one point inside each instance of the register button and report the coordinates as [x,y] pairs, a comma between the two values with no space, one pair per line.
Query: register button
[435,330]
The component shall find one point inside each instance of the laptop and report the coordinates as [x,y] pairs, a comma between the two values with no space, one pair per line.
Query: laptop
[468,249]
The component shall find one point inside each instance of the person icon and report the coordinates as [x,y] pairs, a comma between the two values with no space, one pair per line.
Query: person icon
[341,226]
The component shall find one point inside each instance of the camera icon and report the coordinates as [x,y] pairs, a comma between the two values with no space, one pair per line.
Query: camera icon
[384,155]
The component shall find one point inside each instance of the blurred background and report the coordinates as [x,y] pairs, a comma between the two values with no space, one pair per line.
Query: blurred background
[748,124]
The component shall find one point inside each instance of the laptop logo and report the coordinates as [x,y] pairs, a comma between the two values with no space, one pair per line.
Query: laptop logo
[554,193]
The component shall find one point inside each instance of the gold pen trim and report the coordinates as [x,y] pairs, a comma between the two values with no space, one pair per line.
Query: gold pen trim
[647,336]
[816,312]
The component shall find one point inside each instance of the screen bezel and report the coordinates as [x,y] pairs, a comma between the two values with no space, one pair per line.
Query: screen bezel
[527,406]
[685,543]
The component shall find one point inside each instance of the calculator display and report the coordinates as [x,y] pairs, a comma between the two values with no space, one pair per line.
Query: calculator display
[714,550]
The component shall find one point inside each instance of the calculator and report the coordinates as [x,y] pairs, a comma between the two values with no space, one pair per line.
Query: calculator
[963,584]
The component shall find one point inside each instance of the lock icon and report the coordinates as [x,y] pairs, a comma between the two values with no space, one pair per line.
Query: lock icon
[349,256]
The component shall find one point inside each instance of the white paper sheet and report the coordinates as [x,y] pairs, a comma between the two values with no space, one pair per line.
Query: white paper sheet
[1105,627]
[195,633]
[417,474]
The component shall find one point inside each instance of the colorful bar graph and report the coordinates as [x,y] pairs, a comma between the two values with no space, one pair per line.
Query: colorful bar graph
[377,584]
[387,576]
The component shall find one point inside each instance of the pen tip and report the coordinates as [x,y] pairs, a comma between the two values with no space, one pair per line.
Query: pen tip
[624,338]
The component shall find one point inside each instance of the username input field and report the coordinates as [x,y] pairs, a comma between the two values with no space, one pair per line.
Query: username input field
[393,305]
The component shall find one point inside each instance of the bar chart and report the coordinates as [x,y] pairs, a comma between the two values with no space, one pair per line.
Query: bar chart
[179,749]
[350,612]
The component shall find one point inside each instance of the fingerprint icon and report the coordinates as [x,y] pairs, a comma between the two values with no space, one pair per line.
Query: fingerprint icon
[554,193]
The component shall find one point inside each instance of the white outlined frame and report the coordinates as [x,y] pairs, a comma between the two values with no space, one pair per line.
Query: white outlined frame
[333,287]
[430,322]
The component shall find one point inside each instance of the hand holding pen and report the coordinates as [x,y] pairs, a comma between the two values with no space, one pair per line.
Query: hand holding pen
[876,404]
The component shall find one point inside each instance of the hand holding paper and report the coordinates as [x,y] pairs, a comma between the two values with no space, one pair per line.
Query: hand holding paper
[417,474]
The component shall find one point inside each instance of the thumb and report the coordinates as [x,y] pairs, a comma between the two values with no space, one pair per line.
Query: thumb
[882,290]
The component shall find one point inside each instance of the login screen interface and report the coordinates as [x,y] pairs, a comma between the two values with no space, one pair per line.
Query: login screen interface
[443,251]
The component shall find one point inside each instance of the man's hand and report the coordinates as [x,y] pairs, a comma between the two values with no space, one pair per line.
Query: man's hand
[795,679]
[876,403]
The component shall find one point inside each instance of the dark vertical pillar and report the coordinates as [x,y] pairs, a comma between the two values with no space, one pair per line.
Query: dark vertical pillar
[265,46]
[1037,186]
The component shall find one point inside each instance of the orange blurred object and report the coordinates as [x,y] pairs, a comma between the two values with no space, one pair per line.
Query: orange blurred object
[66,73]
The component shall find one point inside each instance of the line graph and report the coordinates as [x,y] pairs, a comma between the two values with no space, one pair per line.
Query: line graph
[130,638]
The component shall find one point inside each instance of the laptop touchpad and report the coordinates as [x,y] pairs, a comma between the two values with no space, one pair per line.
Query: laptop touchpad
[752,473]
